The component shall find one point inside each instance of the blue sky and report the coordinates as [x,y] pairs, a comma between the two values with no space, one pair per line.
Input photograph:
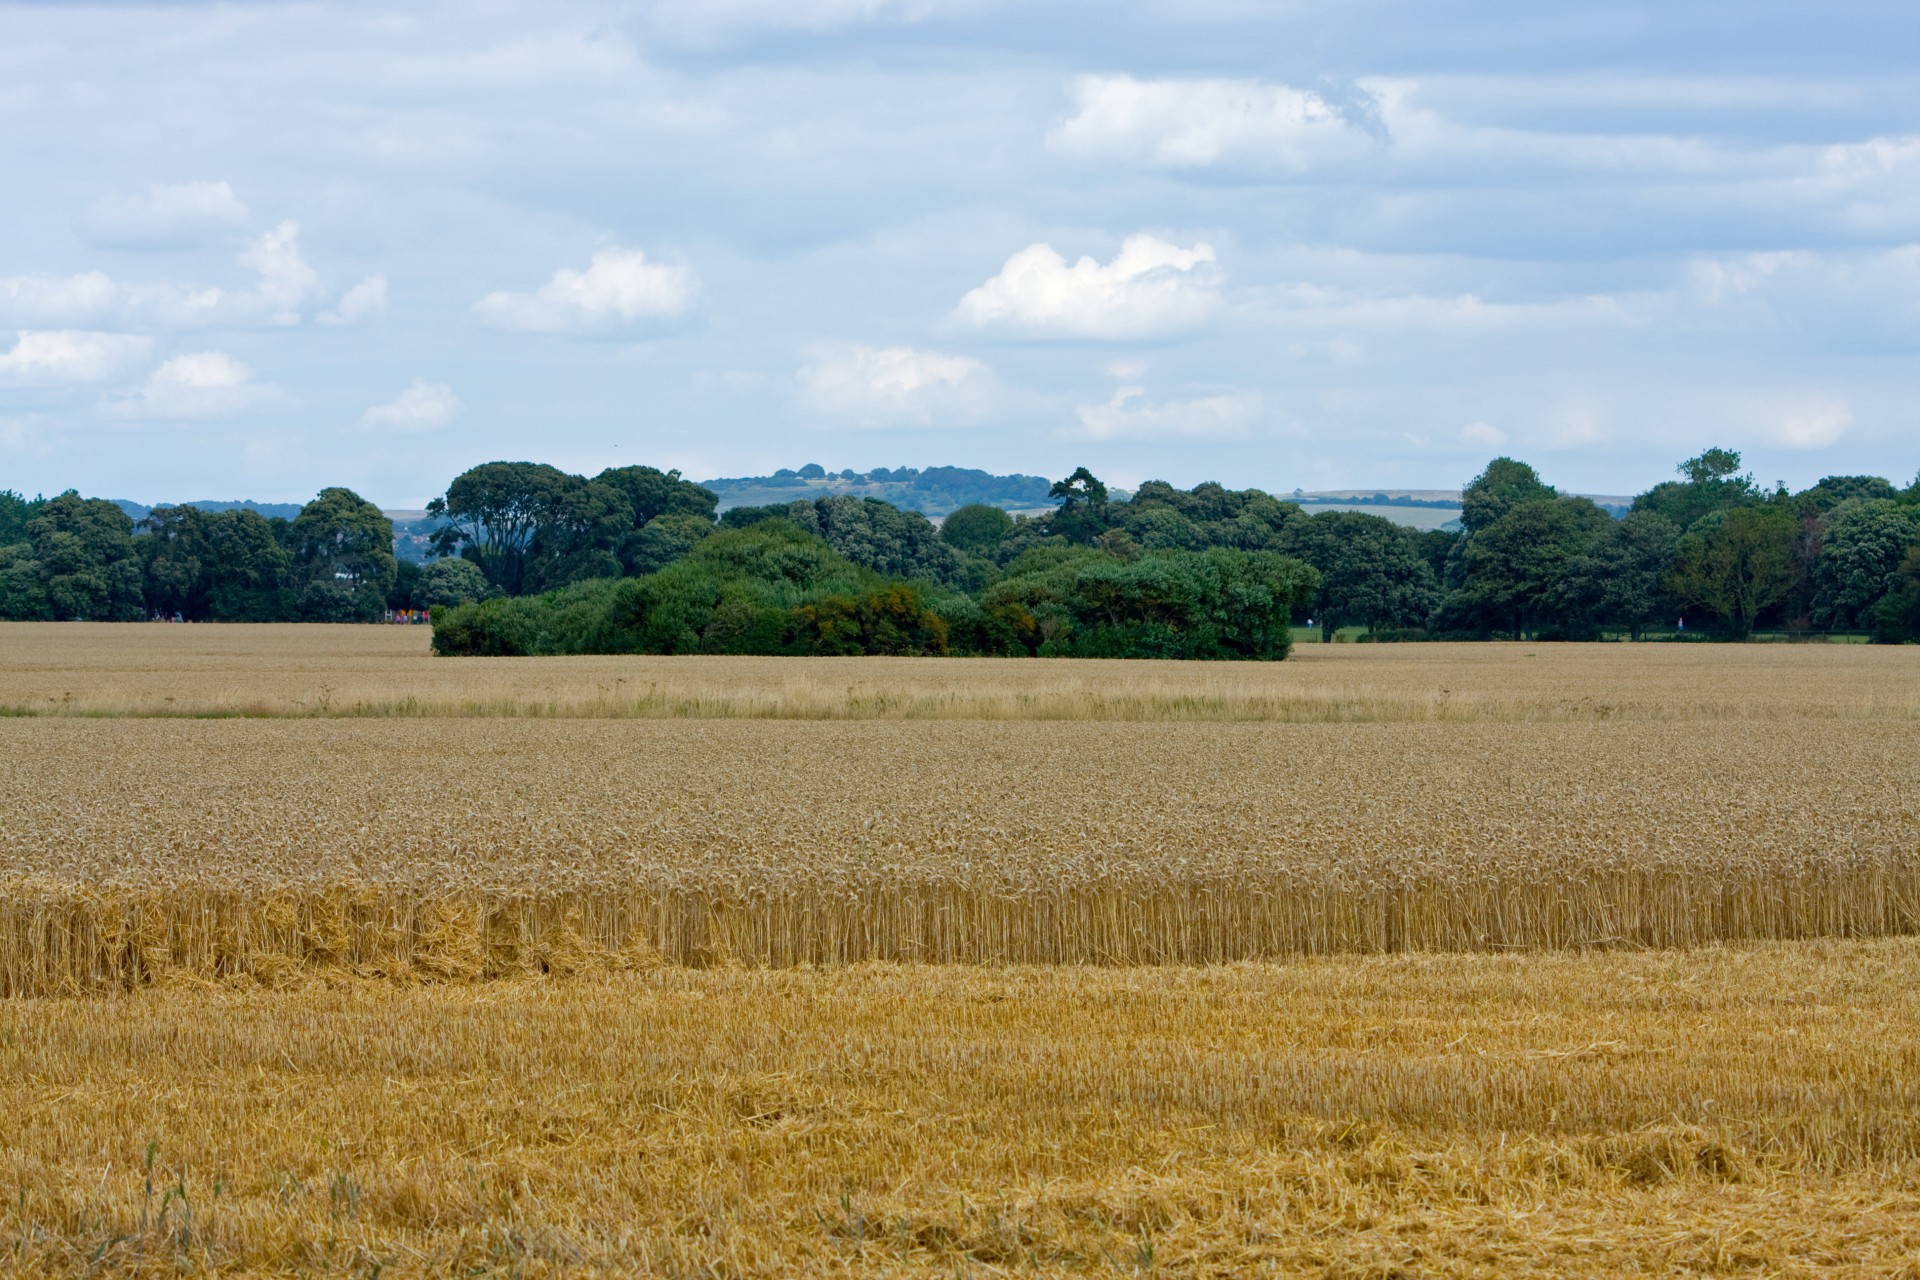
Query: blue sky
[250,249]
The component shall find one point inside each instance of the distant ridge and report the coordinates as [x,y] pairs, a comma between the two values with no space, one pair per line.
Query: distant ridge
[932,491]
[271,510]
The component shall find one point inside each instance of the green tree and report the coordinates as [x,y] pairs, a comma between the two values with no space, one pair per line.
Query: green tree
[226,566]
[976,529]
[1371,571]
[880,536]
[1511,565]
[1896,618]
[84,561]
[15,511]
[343,565]
[1711,484]
[1738,562]
[1504,485]
[450,581]
[664,539]
[1620,579]
[1863,543]
[531,527]
[1082,514]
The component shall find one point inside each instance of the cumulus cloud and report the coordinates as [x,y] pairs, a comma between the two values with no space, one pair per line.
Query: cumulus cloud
[1813,423]
[203,384]
[93,299]
[1483,433]
[168,216]
[892,386]
[1150,288]
[286,281]
[67,357]
[619,287]
[423,406]
[1178,124]
[1129,415]
[368,298]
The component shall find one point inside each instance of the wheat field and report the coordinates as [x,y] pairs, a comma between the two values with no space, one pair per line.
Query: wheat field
[322,956]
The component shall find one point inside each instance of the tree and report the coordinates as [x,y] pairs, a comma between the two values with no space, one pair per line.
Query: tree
[1504,485]
[1834,490]
[15,512]
[976,529]
[1620,579]
[664,539]
[879,536]
[450,581]
[1863,544]
[343,565]
[530,526]
[1371,571]
[1738,562]
[1510,566]
[1710,485]
[1896,618]
[223,565]
[1082,514]
[84,566]
[667,515]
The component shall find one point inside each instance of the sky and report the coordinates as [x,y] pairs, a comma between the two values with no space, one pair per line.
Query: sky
[253,249]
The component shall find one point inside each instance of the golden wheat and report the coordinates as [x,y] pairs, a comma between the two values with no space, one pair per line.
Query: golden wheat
[1750,1111]
[90,669]
[136,847]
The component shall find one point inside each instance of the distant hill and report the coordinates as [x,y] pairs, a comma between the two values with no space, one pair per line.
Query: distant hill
[271,510]
[932,491]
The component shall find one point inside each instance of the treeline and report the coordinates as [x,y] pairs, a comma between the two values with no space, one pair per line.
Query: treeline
[84,559]
[536,560]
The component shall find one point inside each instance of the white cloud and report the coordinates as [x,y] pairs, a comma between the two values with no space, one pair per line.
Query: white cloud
[204,384]
[423,406]
[1128,415]
[1151,288]
[1483,433]
[65,357]
[1195,123]
[167,216]
[1814,423]
[618,287]
[286,281]
[1320,308]
[892,386]
[368,298]
[93,299]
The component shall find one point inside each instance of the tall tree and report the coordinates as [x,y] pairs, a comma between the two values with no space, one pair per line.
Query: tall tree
[1082,514]
[15,511]
[1862,545]
[1738,562]
[1620,579]
[1511,565]
[1711,484]
[1504,485]
[343,565]
[530,526]
[79,563]
[1371,570]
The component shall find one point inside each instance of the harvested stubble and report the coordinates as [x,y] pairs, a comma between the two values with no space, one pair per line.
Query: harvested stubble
[1727,1110]
[138,848]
